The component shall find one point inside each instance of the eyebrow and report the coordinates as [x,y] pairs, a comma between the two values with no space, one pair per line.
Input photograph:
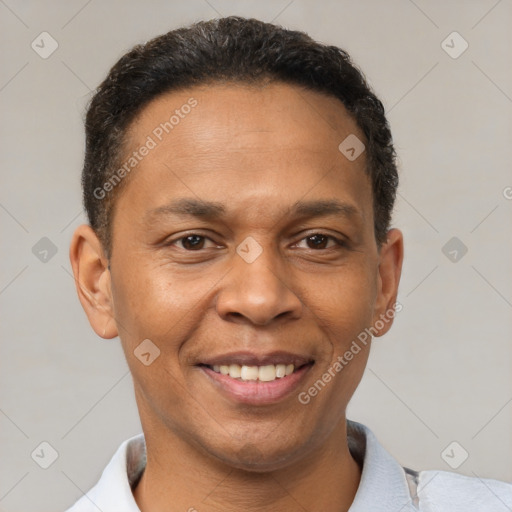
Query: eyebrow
[210,210]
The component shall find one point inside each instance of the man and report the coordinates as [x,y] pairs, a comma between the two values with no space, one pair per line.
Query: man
[239,181]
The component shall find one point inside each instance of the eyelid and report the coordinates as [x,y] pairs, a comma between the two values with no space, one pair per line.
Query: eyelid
[339,240]
[174,241]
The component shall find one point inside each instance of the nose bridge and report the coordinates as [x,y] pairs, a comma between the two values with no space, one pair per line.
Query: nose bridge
[259,274]
[256,288]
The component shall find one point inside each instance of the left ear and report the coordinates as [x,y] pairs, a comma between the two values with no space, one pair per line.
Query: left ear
[391,256]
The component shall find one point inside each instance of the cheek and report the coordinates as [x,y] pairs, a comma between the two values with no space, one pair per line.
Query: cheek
[346,311]
[153,302]
[167,309]
[156,312]
[345,300]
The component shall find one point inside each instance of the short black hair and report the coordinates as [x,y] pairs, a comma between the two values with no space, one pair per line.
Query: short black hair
[232,49]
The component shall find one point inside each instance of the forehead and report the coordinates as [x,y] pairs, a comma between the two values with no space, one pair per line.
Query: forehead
[233,113]
[237,142]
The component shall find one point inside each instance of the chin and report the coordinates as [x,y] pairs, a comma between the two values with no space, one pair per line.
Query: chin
[258,456]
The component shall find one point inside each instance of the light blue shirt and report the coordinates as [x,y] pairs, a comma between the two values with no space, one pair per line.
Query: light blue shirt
[385,486]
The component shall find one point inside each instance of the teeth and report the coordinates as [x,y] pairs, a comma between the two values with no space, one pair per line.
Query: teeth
[280,370]
[265,373]
[235,371]
[249,373]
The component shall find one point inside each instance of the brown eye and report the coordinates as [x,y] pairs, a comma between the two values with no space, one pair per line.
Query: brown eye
[317,241]
[192,242]
[321,242]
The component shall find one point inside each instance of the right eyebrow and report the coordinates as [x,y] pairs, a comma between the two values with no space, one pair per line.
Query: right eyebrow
[187,207]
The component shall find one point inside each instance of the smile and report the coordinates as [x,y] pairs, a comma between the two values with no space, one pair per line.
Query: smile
[266,373]
[256,380]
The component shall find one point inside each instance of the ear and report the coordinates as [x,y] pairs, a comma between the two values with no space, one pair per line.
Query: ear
[391,256]
[92,280]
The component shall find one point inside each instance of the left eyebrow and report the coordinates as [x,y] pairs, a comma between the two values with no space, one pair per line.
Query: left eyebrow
[209,210]
[323,208]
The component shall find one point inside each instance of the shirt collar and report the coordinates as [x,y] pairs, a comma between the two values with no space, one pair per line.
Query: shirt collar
[383,484]
[383,480]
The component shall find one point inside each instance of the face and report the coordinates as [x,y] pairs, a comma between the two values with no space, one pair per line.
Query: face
[244,250]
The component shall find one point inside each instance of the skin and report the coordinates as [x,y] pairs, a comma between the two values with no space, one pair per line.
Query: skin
[257,151]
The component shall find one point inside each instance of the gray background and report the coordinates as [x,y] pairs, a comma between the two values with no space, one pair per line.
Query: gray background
[442,374]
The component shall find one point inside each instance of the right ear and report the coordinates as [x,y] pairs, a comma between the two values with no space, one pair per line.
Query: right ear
[92,280]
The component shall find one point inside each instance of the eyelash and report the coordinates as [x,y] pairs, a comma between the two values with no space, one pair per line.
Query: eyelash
[340,243]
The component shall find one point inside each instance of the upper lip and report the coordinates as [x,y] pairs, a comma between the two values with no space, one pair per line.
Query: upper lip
[254,359]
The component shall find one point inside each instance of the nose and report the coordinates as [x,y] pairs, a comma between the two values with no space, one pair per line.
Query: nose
[257,292]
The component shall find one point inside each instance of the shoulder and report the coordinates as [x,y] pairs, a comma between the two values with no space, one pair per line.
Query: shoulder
[393,487]
[112,493]
[440,491]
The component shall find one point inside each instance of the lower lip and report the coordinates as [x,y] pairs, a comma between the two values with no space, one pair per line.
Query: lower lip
[256,392]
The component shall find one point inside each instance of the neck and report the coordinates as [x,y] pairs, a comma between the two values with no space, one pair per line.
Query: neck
[178,477]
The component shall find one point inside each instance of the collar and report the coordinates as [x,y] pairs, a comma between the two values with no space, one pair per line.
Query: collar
[383,480]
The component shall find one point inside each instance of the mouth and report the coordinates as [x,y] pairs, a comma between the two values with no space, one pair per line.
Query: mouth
[256,380]
[266,373]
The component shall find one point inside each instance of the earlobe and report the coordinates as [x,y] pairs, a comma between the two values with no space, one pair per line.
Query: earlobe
[92,280]
[390,270]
